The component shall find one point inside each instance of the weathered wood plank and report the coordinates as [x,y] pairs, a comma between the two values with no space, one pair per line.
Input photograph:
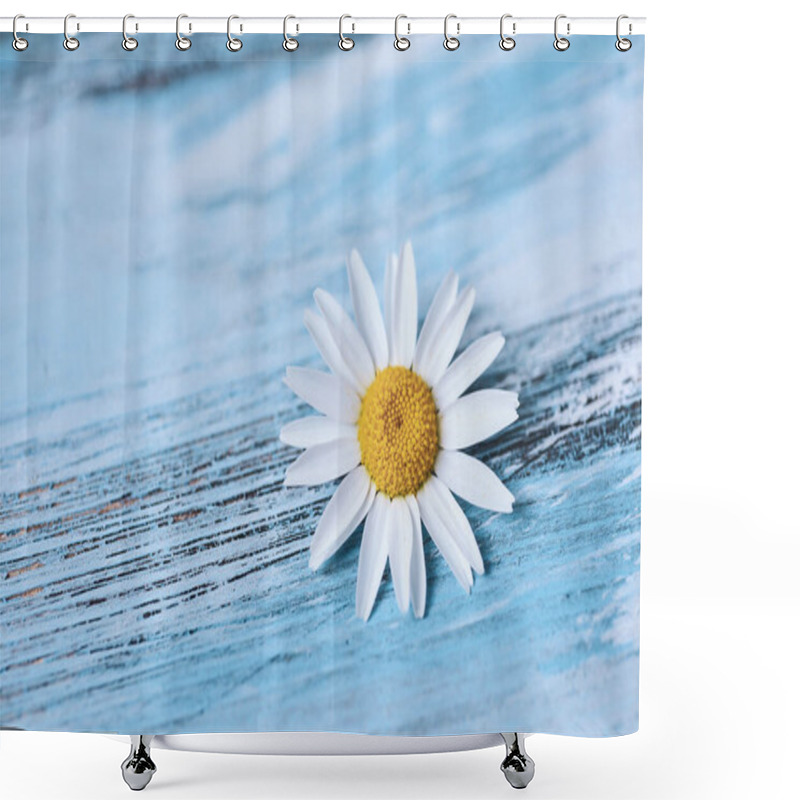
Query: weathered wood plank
[153,568]
[182,577]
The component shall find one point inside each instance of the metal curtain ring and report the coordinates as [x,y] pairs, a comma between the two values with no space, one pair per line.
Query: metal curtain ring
[345,43]
[289,44]
[181,42]
[17,42]
[623,45]
[400,42]
[70,42]
[128,42]
[233,44]
[507,42]
[451,42]
[561,43]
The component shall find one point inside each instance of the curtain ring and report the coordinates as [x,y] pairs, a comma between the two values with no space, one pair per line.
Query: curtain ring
[289,44]
[561,43]
[18,43]
[400,42]
[128,42]
[451,42]
[507,42]
[623,45]
[345,43]
[233,44]
[70,42]
[181,42]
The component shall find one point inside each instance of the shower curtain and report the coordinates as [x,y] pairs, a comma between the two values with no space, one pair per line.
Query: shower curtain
[321,386]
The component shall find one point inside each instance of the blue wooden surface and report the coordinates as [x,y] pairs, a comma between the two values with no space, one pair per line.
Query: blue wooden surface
[165,219]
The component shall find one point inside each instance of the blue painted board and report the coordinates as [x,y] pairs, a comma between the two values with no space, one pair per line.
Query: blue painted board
[165,219]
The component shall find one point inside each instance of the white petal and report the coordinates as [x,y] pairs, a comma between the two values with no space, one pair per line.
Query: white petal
[404,310]
[451,513]
[372,557]
[475,417]
[467,368]
[389,281]
[473,480]
[344,333]
[329,350]
[328,393]
[442,303]
[349,505]
[419,581]
[400,543]
[308,431]
[323,463]
[445,343]
[443,538]
[367,310]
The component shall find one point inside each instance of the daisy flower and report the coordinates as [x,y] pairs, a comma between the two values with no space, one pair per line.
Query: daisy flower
[394,420]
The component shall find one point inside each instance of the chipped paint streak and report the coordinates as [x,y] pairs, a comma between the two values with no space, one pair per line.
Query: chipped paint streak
[21,570]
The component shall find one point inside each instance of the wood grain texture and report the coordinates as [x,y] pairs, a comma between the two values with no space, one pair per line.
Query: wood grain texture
[154,569]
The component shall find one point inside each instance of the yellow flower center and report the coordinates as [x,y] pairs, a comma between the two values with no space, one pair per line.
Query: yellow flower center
[397,431]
